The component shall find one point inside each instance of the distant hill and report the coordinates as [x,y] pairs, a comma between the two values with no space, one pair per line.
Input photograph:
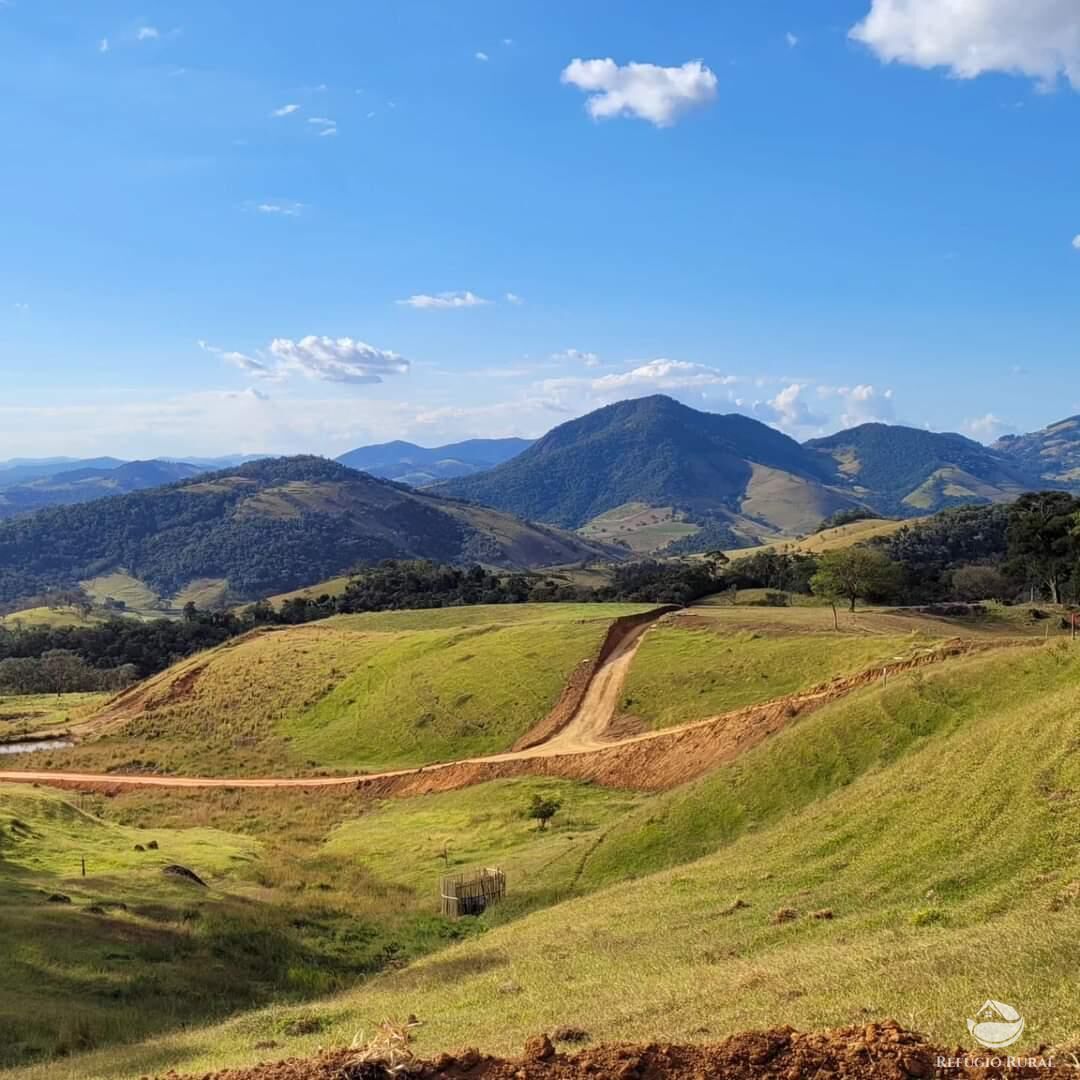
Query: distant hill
[420,466]
[1053,454]
[730,471]
[263,528]
[20,470]
[88,482]
[907,470]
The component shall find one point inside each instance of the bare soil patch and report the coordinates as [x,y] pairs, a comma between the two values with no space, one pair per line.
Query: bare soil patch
[879,1051]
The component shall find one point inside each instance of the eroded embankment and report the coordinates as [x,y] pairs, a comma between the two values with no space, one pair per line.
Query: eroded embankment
[621,635]
[874,1051]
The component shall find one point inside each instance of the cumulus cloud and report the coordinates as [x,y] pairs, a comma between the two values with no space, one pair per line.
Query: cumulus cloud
[444,301]
[513,298]
[1036,38]
[788,409]
[147,33]
[338,360]
[285,110]
[657,94]
[988,427]
[861,404]
[322,121]
[482,57]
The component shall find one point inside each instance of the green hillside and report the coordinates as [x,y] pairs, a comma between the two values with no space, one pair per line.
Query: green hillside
[350,693]
[898,832]
[263,528]
[905,470]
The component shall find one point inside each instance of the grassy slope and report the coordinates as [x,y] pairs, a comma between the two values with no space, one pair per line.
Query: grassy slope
[54,618]
[352,692]
[938,820]
[287,916]
[430,695]
[23,713]
[830,539]
[680,675]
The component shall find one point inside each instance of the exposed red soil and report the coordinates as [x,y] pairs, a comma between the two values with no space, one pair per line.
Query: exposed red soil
[882,1051]
[619,633]
[654,761]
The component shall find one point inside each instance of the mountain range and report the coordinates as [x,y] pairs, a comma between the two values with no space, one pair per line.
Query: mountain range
[744,481]
[420,466]
[28,484]
[264,528]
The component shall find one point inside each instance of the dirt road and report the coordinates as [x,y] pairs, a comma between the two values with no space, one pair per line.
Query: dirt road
[582,748]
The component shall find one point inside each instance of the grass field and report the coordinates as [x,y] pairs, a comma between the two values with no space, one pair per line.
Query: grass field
[642,527]
[830,539]
[138,598]
[680,675]
[53,618]
[21,714]
[307,893]
[355,692]
[934,826]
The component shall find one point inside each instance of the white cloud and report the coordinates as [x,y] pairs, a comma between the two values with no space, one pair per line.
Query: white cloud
[482,57]
[788,410]
[339,360]
[861,404]
[791,39]
[322,121]
[285,110]
[657,94]
[513,298]
[328,131]
[444,301]
[1036,38]
[663,374]
[1076,242]
[103,45]
[988,427]
[280,208]
[576,356]
[508,41]
[147,33]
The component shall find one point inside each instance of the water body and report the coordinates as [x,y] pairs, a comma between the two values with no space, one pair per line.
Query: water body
[30,747]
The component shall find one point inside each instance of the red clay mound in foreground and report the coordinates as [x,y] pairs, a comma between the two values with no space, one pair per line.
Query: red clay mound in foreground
[876,1052]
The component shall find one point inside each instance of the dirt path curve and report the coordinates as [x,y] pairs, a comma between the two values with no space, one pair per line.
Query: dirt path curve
[581,740]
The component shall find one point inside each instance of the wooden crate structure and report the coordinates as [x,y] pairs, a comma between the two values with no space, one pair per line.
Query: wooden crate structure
[472,893]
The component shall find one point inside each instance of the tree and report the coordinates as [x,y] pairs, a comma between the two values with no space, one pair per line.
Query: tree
[1041,534]
[980,583]
[855,573]
[542,809]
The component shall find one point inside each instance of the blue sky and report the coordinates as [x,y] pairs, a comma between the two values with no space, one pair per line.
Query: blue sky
[307,227]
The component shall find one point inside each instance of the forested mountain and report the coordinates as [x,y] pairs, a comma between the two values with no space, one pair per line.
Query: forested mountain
[19,470]
[1053,454]
[83,484]
[902,470]
[419,466]
[659,452]
[263,528]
